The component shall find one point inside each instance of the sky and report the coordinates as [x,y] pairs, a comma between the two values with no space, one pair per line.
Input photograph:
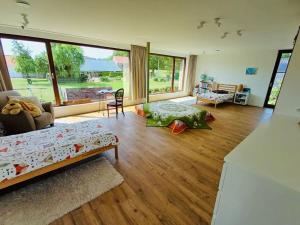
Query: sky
[38,47]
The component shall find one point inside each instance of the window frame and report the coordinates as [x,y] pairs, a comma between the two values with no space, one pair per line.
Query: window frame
[173,70]
[48,42]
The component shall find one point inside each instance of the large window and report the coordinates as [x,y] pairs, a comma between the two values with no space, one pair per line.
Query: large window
[61,72]
[166,73]
[28,68]
[83,71]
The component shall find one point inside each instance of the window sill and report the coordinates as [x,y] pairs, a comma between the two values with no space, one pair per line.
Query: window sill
[166,93]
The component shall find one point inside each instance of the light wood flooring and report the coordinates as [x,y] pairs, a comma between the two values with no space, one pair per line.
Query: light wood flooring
[169,179]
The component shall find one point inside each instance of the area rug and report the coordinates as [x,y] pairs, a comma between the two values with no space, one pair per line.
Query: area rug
[48,199]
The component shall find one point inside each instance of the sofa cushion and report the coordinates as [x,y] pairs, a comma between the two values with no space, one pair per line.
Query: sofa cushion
[43,120]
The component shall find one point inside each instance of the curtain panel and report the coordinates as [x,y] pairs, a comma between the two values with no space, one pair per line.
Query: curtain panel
[191,73]
[138,56]
[5,82]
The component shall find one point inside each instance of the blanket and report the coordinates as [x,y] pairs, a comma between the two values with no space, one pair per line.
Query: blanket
[175,115]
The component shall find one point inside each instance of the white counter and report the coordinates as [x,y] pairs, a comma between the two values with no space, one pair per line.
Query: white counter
[272,150]
[260,182]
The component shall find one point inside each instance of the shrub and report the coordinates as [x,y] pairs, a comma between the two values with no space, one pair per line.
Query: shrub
[111,74]
[155,79]
[83,77]
[105,79]
[156,90]
[167,89]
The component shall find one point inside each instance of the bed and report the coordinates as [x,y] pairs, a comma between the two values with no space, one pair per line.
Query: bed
[223,93]
[176,116]
[27,155]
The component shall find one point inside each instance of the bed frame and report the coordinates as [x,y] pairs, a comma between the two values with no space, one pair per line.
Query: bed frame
[55,166]
[231,88]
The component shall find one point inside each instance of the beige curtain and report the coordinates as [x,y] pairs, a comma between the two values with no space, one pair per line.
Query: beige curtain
[2,83]
[138,57]
[191,73]
[5,83]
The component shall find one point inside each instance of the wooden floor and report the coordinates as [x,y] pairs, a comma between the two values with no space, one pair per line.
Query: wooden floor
[169,179]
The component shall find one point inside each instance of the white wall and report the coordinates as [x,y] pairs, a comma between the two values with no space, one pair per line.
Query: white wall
[289,98]
[230,69]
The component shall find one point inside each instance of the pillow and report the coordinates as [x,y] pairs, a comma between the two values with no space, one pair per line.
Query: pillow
[220,92]
[32,99]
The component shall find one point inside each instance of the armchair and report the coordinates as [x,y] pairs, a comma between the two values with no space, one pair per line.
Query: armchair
[24,122]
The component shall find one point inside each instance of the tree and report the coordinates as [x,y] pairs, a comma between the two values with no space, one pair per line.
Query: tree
[41,64]
[159,63]
[23,59]
[120,53]
[67,59]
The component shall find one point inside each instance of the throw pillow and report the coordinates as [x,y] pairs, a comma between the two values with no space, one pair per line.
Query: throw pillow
[221,92]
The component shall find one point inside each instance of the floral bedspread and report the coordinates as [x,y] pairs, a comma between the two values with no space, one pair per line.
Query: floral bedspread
[219,98]
[164,113]
[22,153]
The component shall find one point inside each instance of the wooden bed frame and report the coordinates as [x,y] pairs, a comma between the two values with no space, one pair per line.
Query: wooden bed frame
[55,166]
[231,88]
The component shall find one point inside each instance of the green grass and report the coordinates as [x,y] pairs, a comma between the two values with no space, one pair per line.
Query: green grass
[42,88]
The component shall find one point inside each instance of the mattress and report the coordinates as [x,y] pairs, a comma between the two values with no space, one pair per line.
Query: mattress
[23,153]
[219,98]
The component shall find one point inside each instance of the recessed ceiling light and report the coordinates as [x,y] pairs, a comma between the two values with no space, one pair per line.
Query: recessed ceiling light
[23,3]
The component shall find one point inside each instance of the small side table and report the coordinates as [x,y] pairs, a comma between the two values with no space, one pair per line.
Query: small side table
[241,98]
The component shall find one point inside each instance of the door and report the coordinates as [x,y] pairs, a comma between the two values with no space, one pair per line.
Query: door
[279,71]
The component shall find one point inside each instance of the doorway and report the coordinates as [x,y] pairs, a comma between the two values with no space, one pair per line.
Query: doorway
[279,71]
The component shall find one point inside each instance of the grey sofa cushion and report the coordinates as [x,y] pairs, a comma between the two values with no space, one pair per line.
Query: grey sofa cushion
[4,97]
[43,120]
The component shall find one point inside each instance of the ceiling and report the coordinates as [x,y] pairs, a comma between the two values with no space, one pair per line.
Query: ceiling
[170,25]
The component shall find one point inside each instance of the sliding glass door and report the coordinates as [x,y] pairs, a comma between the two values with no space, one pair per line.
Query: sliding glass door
[28,66]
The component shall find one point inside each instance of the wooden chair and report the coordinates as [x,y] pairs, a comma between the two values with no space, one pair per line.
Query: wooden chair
[118,102]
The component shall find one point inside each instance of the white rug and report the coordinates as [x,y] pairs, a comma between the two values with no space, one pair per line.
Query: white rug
[48,199]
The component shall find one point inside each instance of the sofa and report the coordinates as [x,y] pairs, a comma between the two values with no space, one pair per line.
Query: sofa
[24,122]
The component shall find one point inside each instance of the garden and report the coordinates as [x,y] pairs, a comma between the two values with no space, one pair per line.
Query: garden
[68,63]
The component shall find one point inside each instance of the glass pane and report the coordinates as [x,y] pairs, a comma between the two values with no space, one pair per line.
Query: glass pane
[161,68]
[83,71]
[282,67]
[28,68]
[179,74]
[285,57]
[276,88]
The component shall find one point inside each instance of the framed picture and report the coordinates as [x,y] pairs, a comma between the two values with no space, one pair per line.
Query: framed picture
[251,71]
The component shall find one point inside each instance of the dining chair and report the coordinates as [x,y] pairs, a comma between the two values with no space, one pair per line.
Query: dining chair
[117,103]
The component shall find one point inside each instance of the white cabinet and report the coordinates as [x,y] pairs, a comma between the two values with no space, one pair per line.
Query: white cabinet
[241,98]
[260,181]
